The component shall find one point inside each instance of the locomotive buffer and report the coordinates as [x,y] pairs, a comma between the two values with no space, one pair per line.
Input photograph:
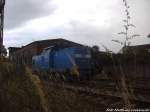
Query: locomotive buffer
[2,4]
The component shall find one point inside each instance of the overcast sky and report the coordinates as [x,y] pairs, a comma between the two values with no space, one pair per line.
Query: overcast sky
[90,22]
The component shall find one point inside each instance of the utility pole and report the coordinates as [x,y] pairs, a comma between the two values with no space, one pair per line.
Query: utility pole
[2,4]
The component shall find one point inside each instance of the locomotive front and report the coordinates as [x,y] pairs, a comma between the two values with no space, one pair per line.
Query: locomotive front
[82,59]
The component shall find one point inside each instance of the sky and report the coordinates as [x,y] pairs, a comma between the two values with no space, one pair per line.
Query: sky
[89,22]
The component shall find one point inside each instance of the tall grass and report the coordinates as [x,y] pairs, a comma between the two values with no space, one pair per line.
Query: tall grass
[63,100]
[39,89]
[17,91]
[121,82]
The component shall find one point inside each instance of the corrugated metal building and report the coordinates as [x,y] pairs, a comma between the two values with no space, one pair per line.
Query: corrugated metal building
[25,54]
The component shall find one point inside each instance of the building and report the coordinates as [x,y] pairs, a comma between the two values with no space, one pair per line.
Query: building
[141,48]
[25,53]
[12,51]
[145,48]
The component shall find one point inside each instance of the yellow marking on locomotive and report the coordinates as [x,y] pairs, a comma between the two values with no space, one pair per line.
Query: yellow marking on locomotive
[74,69]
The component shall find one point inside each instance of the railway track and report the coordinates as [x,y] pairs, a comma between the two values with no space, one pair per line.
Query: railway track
[103,89]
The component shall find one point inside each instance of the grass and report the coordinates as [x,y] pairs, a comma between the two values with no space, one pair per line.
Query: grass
[39,89]
[63,100]
[22,91]
[17,92]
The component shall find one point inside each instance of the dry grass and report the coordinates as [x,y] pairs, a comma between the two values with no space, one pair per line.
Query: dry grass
[39,89]
[17,92]
[62,100]
[21,91]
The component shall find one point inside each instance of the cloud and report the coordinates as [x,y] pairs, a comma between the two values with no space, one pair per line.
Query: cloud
[83,23]
[88,22]
[18,12]
[90,34]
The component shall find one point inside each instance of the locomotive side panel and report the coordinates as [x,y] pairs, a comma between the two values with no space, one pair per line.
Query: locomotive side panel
[62,61]
[76,61]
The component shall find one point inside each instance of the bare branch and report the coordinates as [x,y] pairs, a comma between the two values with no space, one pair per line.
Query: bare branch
[125,21]
[129,43]
[122,33]
[106,49]
[131,25]
[117,41]
[133,36]
[126,27]
[128,17]
[125,3]
[127,12]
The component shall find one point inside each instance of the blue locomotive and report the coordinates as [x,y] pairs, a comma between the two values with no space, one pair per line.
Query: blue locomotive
[74,62]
